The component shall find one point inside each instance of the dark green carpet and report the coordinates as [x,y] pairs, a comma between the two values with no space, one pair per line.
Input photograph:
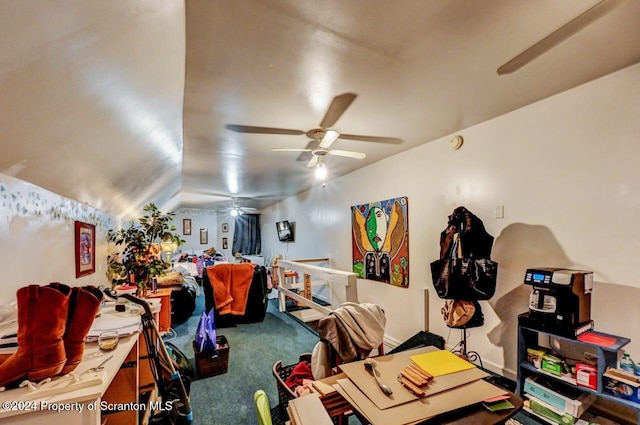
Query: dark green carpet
[253,350]
[227,399]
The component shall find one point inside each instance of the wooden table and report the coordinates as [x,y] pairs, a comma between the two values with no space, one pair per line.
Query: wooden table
[337,406]
[164,317]
[333,402]
[476,414]
[118,385]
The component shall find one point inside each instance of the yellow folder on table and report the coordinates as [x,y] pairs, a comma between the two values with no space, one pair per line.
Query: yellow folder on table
[443,362]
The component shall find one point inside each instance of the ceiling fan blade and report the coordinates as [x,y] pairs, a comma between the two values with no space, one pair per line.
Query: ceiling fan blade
[313,162]
[201,192]
[306,155]
[339,104]
[330,136]
[388,140]
[558,36]
[290,150]
[348,154]
[248,209]
[261,130]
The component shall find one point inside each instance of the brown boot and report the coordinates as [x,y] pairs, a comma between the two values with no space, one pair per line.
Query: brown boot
[83,308]
[42,317]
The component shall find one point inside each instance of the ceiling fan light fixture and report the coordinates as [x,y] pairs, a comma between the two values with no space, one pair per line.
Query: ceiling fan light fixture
[235,212]
[321,173]
[321,170]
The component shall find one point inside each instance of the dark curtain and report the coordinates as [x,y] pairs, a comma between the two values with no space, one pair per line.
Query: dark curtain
[246,238]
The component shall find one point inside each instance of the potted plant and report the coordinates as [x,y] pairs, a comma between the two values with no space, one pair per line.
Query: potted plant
[141,252]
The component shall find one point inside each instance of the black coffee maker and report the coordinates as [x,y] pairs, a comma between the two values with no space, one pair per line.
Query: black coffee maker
[560,297]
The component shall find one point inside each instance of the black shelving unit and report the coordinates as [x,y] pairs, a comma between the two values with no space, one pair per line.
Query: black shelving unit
[529,337]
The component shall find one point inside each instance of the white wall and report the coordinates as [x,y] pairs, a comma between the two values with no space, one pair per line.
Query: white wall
[37,238]
[200,219]
[226,218]
[213,222]
[567,172]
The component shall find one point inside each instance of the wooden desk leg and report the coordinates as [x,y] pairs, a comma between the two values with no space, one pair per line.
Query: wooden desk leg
[163,317]
[123,390]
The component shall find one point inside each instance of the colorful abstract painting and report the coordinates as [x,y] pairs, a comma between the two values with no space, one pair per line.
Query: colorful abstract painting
[380,241]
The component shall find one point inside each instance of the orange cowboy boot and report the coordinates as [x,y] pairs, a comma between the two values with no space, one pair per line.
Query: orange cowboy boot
[84,305]
[42,318]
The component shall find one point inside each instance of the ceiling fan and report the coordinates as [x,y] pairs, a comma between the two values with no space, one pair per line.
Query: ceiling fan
[338,106]
[232,203]
[237,210]
[578,23]
[319,152]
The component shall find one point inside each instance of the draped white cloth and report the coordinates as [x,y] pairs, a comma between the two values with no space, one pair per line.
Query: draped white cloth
[360,326]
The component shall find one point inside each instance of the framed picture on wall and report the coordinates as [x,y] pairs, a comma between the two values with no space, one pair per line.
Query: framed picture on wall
[85,248]
[225,227]
[225,243]
[186,226]
[204,236]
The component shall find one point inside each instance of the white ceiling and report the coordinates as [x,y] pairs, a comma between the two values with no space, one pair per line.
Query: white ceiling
[120,103]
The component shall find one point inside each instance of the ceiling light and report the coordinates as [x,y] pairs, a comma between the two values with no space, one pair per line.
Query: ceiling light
[235,211]
[321,171]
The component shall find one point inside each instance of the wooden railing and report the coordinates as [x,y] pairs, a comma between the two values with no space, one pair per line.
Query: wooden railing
[323,276]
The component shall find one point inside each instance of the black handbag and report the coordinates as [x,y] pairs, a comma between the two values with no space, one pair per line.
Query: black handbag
[483,284]
[464,278]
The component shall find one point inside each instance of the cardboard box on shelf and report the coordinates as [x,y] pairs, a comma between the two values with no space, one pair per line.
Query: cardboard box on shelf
[621,384]
[548,412]
[534,356]
[586,376]
[566,399]
[552,364]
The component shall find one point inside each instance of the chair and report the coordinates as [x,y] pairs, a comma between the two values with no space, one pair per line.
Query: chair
[263,410]
[362,354]
[340,336]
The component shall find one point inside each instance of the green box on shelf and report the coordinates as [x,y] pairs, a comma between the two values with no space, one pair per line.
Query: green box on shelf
[552,364]
[550,413]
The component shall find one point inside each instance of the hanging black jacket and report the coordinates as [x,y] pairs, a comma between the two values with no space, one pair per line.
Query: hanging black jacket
[465,270]
[472,250]
[474,239]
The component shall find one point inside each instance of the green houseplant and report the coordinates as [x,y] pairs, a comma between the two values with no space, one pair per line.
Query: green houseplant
[140,252]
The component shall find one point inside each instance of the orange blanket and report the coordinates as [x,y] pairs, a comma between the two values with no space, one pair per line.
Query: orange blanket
[230,283]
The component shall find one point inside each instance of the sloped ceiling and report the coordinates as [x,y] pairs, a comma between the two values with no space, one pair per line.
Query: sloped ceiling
[91,99]
[120,103]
